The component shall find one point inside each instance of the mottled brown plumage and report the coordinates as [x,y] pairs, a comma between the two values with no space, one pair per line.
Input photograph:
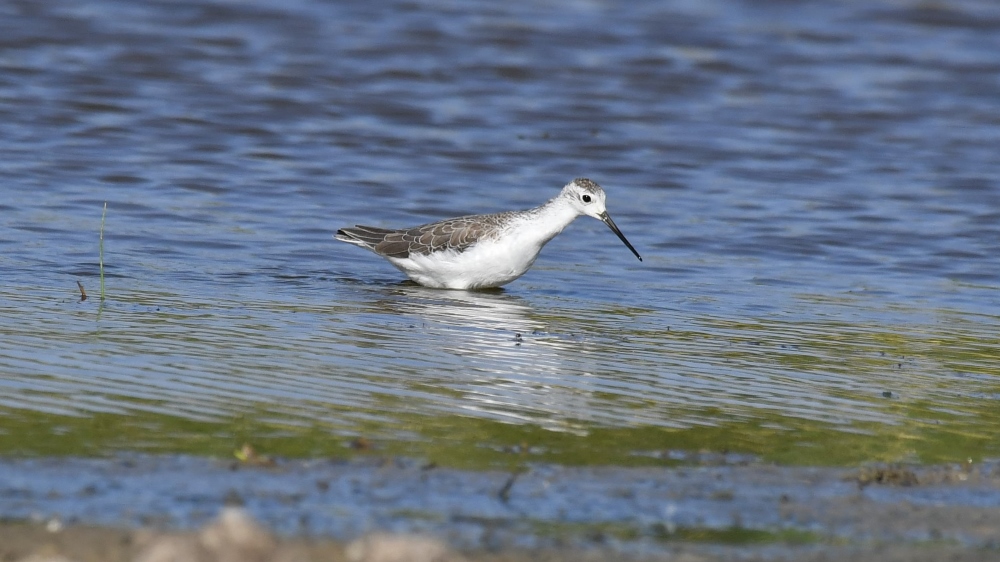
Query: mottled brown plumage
[458,234]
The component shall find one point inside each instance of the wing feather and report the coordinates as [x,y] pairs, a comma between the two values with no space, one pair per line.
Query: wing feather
[458,234]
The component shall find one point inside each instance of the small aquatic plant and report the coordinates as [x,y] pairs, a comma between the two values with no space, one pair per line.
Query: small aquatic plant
[101,249]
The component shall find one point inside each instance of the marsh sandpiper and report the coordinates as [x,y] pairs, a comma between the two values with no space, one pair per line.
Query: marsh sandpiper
[482,251]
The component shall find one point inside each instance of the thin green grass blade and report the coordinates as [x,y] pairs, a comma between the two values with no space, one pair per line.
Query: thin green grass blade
[105,212]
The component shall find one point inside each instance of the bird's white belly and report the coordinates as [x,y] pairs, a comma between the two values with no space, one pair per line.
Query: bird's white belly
[487,264]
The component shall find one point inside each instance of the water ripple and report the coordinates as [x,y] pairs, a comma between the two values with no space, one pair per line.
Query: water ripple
[812,188]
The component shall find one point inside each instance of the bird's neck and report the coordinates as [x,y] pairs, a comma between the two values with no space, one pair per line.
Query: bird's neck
[550,219]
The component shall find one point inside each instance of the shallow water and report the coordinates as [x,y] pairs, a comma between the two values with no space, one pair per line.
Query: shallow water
[812,188]
[768,511]
[764,510]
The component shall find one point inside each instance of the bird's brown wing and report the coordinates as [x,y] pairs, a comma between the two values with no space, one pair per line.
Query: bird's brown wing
[458,234]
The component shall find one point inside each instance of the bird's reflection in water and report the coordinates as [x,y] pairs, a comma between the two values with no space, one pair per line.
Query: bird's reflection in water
[482,310]
[508,367]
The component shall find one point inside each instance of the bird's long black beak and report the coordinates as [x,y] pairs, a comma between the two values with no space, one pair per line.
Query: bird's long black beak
[606,218]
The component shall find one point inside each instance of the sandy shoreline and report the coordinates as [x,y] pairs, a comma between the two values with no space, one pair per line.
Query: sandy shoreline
[24,542]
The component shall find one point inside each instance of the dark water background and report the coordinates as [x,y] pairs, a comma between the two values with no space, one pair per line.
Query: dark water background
[812,185]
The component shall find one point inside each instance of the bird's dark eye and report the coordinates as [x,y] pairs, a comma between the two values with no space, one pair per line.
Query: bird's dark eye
[586,198]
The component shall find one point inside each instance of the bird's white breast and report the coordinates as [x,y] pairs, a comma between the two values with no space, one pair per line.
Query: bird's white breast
[489,263]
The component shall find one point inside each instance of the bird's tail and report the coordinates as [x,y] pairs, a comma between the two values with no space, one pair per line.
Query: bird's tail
[363,236]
